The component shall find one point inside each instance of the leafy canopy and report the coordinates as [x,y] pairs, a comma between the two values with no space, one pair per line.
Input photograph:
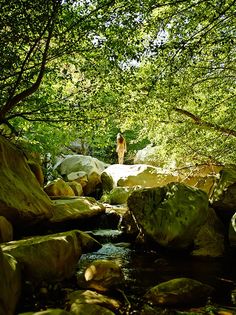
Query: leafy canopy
[162,71]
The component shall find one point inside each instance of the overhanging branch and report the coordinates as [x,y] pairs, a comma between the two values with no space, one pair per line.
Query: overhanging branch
[198,121]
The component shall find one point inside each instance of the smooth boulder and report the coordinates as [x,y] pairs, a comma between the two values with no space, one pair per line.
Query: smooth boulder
[135,175]
[52,257]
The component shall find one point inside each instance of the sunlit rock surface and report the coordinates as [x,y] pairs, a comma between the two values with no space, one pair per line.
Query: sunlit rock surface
[78,208]
[135,175]
[82,163]
[77,188]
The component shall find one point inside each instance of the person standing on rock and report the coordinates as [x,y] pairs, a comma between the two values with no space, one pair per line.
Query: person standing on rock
[121,148]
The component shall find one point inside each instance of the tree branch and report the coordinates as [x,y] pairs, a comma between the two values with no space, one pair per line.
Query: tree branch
[198,121]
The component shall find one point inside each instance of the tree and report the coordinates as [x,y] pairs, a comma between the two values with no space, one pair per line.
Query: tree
[164,69]
[39,40]
[187,80]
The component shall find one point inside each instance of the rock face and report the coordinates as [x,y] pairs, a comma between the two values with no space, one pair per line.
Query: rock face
[179,291]
[170,215]
[10,284]
[86,164]
[135,175]
[22,201]
[52,257]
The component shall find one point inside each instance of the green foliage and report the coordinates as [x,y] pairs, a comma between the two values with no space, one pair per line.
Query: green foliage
[159,72]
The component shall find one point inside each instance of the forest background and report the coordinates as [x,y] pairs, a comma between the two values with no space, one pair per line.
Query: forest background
[161,72]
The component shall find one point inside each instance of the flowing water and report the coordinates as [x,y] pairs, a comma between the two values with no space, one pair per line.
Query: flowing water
[144,269]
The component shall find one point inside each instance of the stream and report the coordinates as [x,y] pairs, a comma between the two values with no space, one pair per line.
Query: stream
[143,268]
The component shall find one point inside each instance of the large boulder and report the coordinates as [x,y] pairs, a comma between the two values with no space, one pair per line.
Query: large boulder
[52,257]
[78,208]
[22,200]
[224,196]
[82,163]
[170,215]
[10,284]
[135,175]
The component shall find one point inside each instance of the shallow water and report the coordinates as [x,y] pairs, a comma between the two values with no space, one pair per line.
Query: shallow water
[144,269]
